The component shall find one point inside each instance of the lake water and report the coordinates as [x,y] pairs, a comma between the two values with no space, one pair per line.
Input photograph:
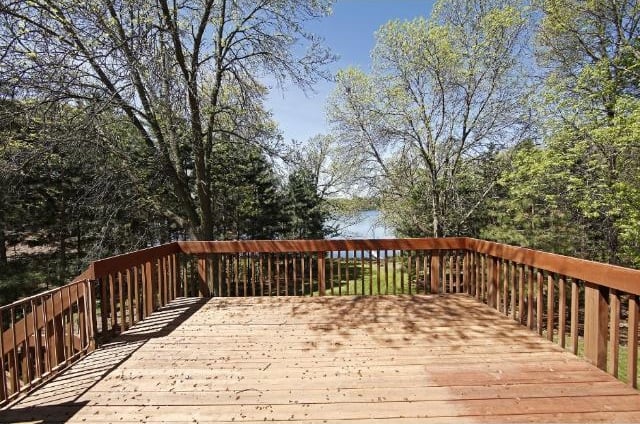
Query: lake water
[368,226]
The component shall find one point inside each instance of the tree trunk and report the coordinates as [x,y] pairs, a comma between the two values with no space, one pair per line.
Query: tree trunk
[3,249]
[434,213]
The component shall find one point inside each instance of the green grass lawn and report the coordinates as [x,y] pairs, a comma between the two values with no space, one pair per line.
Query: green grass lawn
[359,279]
[623,357]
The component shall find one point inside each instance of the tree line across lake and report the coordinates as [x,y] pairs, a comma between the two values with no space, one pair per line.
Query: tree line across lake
[126,123]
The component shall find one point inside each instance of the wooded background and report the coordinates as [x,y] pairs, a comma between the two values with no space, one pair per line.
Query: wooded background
[127,123]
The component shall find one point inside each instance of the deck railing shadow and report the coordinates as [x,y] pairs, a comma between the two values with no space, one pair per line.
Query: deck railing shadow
[67,388]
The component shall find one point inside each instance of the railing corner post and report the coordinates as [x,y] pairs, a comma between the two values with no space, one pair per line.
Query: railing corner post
[93,315]
[596,324]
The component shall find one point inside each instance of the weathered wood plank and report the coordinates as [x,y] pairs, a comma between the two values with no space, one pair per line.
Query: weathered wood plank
[395,358]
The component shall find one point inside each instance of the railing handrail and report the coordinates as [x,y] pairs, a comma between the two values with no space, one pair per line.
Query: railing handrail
[606,275]
[325,245]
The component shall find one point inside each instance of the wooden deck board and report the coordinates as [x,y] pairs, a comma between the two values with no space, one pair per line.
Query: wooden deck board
[363,359]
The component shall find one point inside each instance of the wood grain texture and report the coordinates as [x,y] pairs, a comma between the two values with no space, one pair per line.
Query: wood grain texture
[406,359]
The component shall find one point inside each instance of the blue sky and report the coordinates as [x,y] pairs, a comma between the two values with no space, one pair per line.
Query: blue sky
[349,32]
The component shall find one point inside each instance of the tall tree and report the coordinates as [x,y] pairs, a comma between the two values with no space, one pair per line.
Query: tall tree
[591,52]
[443,93]
[185,74]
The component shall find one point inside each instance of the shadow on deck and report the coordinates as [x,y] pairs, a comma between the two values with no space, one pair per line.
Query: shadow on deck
[61,398]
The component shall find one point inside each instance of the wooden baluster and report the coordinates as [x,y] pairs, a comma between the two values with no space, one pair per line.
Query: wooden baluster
[539,300]
[378,273]
[162,283]
[236,274]
[425,267]
[393,271]
[112,304]
[448,271]
[497,262]
[370,273]
[632,341]
[83,316]
[15,376]
[339,260]
[521,314]
[562,310]
[550,306]
[477,283]
[175,272]
[483,276]
[136,294]
[417,271]
[269,274]
[245,279]
[346,272]
[530,322]
[302,276]
[26,360]
[505,287]
[311,274]
[68,329]
[614,339]
[575,304]
[45,327]
[362,272]
[4,389]
[129,297]
[456,276]
[219,269]
[37,342]
[512,286]
[120,304]
[596,311]
[286,275]
[409,260]
[103,304]
[295,276]
[277,255]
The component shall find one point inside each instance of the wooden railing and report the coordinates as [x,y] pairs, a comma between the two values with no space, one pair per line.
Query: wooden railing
[42,334]
[581,305]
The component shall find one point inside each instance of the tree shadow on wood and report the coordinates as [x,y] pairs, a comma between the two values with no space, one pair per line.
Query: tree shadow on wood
[61,398]
[456,322]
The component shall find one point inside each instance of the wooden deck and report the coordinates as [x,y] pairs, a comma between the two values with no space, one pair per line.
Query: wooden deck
[362,359]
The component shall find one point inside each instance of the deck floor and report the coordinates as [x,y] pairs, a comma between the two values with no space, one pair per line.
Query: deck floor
[363,359]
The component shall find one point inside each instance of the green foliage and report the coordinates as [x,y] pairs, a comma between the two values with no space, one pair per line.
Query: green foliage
[307,210]
[443,96]
[577,193]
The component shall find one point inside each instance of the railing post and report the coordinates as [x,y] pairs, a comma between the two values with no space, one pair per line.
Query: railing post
[92,326]
[322,289]
[596,324]
[149,286]
[435,271]
[203,286]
